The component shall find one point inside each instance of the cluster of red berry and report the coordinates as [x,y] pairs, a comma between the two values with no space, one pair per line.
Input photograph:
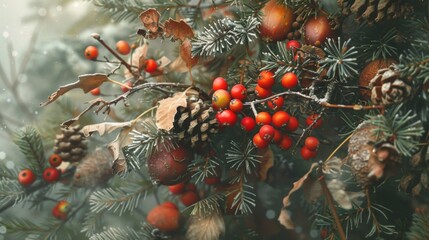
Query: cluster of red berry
[165,217]
[188,193]
[124,48]
[51,174]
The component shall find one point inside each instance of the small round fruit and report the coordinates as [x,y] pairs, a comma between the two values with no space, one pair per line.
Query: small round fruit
[248,124]
[239,91]
[61,209]
[259,142]
[262,92]
[227,118]
[123,47]
[276,103]
[263,118]
[292,125]
[285,143]
[212,180]
[96,91]
[55,160]
[280,119]
[310,119]
[151,66]
[126,89]
[277,136]
[164,218]
[191,187]
[316,30]
[177,188]
[26,177]
[267,132]
[236,105]
[289,80]
[266,79]
[51,174]
[170,205]
[294,44]
[306,153]
[311,143]
[221,98]
[276,22]
[91,52]
[189,198]
[219,83]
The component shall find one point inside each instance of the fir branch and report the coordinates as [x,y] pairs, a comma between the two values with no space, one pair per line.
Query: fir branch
[340,60]
[208,206]
[10,191]
[414,64]
[224,34]
[111,233]
[381,47]
[404,128]
[91,222]
[244,200]
[30,144]
[304,8]
[122,199]
[419,228]
[204,167]
[20,228]
[242,157]
[283,61]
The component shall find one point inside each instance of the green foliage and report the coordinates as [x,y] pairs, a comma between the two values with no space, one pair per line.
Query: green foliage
[204,167]
[111,233]
[340,60]
[30,144]
[242,157]
[403,126]
[10,191]
[304,8]
[419,228]
[92,222]
[208,206]
[379,46]
[281,59]
[414,63]
[244,201]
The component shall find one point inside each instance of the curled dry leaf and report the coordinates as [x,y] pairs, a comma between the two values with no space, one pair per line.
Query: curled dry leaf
[332,166]
[209,227]
[285,220]
[138,59]
[267,162]
[86,82]
[150,19]
[167,109]
[340,195]
[105,127]
[297,185]
[115,148]
[186,55]
[178,30]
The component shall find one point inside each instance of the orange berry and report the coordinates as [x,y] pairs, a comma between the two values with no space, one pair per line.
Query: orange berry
[123,47]
[95,91]
[165,218]
[151,66]
[91,52]
[189,198]
[263,118]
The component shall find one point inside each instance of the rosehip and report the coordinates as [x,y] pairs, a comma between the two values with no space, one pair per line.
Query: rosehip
[236,105]
[306,153]
[280,119]
[227,118]
[91,52]
[26,177]
[219,83]
[259,142]
[267,132]
[221,98]
[289,80]
[55,160]
[263,118]
[51,174]
[266,79]
[248,124]
[262,92]
[276,103]
[310,119]
[123,47]
[293,124]
[239,91]
[277,136]
[151,66]
[311,143]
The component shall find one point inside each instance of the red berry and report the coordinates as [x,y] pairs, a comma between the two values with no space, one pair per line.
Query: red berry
[95,91]
[26,177]
[311,143]
[306,153]
[289,80]
[266,132]
[177,188]
[266,79]
[259,142]
[286,142]
[170,205]
[227,118]
[211,180]
[263,118]
[277,136]
[276,103]
[293,124]
[219,83]
[165,218]
[125,89]
[293,44]
[189,198]
[55,160]
[151,66]
[310,119]
[61,209]
[280,119]
[239,91]
[221,98]
[51,174]
[91,52]
[248,124]
[123,47]
[236,105]
[191,187]
[262,92]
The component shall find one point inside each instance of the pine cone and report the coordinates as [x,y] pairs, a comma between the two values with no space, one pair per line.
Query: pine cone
[195,122]
[94,170]
[376,10]
[387,88]
[70,144]
[367,160]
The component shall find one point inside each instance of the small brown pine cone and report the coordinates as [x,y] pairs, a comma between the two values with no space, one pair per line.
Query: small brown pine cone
[377,10]
[70,144]
[94,170]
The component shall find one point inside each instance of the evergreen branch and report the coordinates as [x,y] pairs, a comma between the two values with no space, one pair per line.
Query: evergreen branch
[204,167]
[30,144]
[379,48]
[304,8]
[111,233]
[207,206]
[414,63]
[340,60]
[242,157]
[283,62]
[419,228]
[9,173]
[10,191]
[244,200]
[403,127]
[91,222]
[20,228]
[121,199]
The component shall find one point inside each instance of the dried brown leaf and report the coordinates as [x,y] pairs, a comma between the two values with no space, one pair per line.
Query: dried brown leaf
[105,127]
[267,161]
[123,139]
[297,185]
[208,228]
[86,82]
[138,59]
[167,109]
[178,30]
[186,55]
[340,195]
[150,19]
[178,65]
[285,220]
[312,190]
